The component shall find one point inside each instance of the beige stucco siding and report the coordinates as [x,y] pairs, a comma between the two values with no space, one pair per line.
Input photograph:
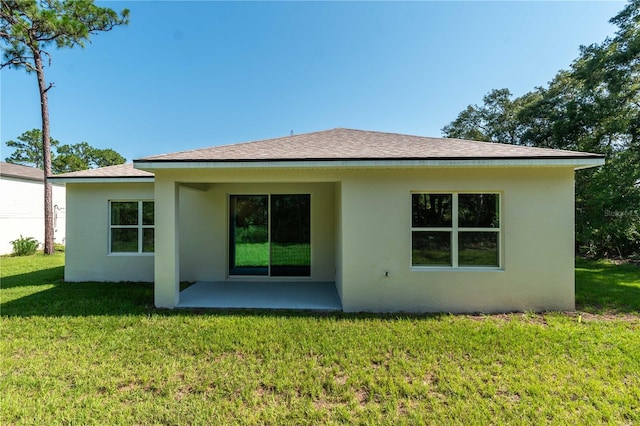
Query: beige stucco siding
[361,230]
[537,234]
[338,237]
[200,238]
[87,250]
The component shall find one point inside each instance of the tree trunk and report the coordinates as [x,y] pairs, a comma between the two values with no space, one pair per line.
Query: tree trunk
[46,155]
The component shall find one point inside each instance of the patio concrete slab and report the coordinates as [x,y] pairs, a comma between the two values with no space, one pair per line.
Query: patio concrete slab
[261,295]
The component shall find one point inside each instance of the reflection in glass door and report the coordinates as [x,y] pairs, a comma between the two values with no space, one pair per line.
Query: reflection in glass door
[290,235]
[270,235]
[249,235]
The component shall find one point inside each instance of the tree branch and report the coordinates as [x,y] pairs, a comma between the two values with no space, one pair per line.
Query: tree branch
[43,52]
[17,62]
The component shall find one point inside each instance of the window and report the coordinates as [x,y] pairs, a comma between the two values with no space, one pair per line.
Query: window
[131,227]
[455,229]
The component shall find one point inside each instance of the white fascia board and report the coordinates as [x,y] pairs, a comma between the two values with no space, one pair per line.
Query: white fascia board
[101,180]
[577,163]
[28,180]
[21,178]
[595,162]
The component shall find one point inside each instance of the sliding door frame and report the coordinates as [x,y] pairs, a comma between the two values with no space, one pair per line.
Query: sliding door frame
[302,271]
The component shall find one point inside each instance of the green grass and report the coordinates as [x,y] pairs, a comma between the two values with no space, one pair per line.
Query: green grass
[98,353]
[604,287]
[257,254]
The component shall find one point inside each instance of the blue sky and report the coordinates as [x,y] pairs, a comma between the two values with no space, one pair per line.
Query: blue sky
[187,75]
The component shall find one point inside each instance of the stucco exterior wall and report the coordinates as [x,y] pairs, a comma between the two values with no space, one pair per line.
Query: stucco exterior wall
[199,236]
[22,211]
[87,256]
[361,229]
[338,237]
[537,240]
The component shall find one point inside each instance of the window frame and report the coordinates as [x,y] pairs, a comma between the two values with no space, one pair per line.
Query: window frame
[455,231]
[140,227]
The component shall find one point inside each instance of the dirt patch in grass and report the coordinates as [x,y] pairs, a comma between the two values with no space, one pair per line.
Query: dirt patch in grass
[340,379]
[361,396]
[610,316]
[540,318]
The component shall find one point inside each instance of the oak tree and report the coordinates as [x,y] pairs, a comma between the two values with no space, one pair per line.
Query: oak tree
[64,158]
[82,156]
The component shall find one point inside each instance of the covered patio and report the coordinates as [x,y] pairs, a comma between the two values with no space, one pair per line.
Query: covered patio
[317,296]
[268,245]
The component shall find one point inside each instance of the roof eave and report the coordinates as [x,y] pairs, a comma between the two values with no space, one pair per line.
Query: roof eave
[21,177]
[102,179]
[580,162]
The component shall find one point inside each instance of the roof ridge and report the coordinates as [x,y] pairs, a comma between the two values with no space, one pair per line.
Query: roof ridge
[557,150]
[236,144]
[307,134]
[240,143]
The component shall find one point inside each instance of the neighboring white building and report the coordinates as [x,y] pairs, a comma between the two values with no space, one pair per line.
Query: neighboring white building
[22,205]
[391,222]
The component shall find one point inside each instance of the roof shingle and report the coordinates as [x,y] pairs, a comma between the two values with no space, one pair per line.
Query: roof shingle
[21,172]
[347,144]
[118,171]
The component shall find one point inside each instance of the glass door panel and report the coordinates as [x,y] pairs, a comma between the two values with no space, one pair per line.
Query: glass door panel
[249,235]
[270,235]
[291,235]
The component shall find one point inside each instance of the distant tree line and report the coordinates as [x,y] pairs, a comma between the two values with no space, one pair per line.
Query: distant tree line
[64,158]
[594,106]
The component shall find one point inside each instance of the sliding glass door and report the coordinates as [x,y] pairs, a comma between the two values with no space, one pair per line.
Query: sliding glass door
[270,235]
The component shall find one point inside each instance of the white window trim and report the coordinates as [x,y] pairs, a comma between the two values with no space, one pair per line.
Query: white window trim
[139,227]
[454,230]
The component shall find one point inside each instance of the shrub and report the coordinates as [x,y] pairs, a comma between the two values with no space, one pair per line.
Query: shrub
[25,246]
[252,234]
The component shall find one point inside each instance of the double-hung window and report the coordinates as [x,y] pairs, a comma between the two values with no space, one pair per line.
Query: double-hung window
[131,227]
[455,230]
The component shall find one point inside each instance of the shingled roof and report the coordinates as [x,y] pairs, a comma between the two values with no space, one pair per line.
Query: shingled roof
[341,147]
[348,144]
[21,172]
[118,171]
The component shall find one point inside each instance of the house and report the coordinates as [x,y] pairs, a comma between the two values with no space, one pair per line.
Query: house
[22,207]
[388,222]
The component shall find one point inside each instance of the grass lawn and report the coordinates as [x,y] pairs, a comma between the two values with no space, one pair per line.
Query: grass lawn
[95,353]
